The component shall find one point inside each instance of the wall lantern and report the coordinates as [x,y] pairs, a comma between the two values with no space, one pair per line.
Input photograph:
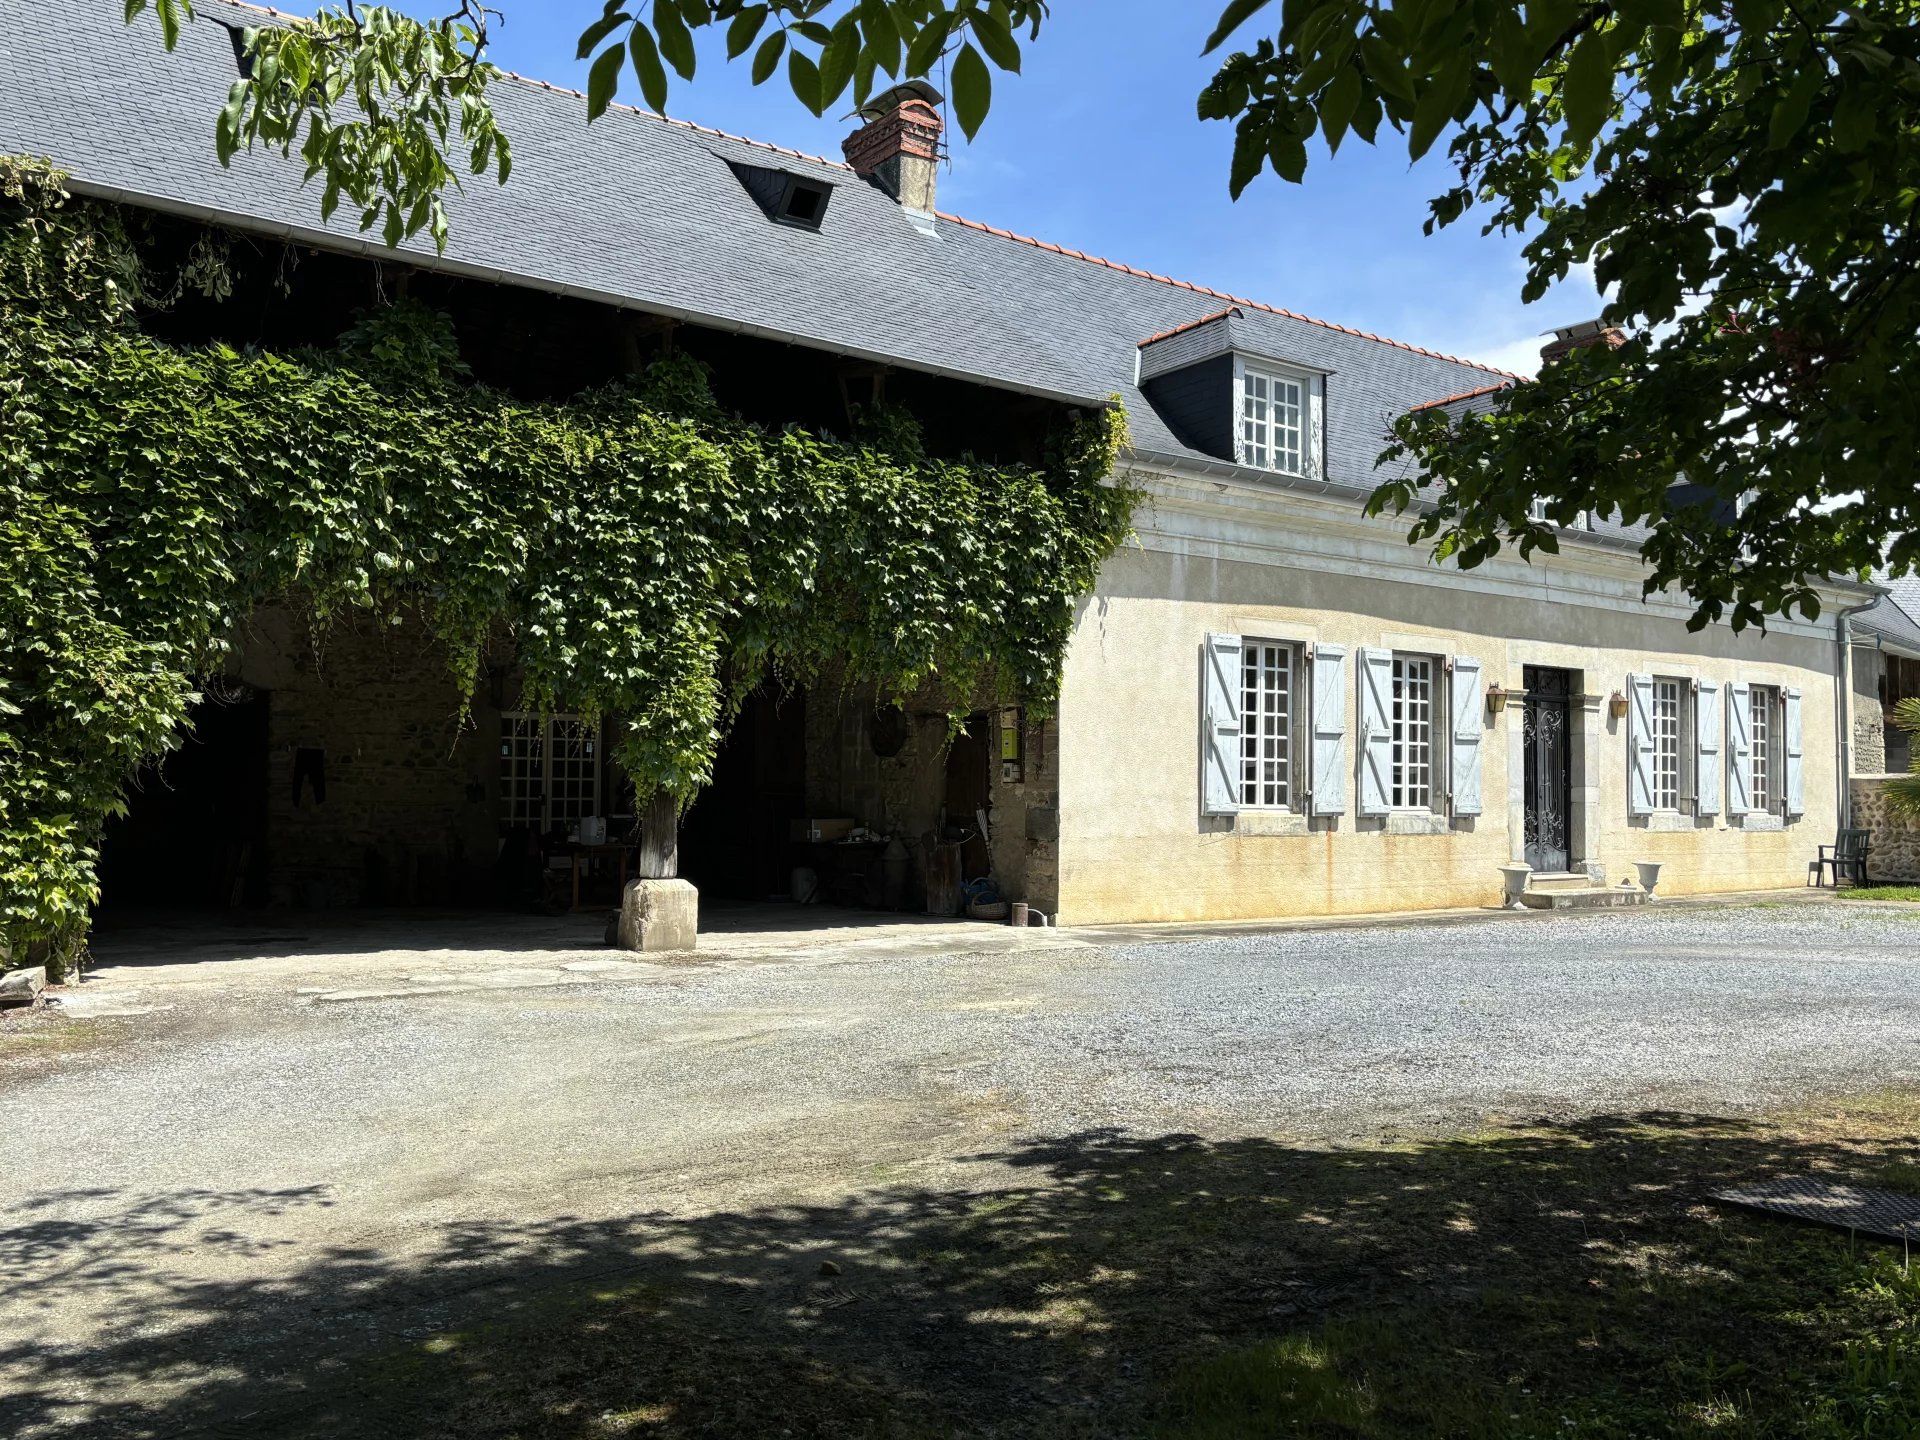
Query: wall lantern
[1496,699]
[1617,703]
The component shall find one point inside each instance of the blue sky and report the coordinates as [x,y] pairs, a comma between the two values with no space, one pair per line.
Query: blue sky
[1096,146]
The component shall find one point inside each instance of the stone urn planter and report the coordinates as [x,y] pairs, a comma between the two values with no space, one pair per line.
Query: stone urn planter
[1513,881]
[1649,871]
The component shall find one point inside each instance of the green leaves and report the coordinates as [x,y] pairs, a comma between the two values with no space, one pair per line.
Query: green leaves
[1741,181]
[972,90]
[827,45]
[991,33]
[591,37]
[767,59]
[1587,88]
[170,13]
[647,68]
[744,29]
[1790,113]
[1236,14]
[603,80]
[373,100]
[652,555]
[373,97]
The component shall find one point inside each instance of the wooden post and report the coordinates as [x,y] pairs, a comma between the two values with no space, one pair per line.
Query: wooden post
[659,839]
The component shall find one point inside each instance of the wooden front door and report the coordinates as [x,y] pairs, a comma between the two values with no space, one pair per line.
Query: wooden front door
[1549,768]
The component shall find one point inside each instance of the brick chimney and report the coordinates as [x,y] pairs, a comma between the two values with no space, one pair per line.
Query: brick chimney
[899,146]
[1584,336]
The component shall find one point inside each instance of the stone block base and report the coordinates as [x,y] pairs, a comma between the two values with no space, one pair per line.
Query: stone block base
[657,915]
[1592,898]
[22,987]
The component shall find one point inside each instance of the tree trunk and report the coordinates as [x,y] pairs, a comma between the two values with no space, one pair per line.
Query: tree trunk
[660,839]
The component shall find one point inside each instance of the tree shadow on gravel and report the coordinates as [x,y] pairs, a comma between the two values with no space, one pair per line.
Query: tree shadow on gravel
[1091,1284]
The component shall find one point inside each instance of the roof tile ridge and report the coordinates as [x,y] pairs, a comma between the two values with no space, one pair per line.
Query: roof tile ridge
[698,129]
[1227,296]
[548,85]
[1190,325]
[1463,395]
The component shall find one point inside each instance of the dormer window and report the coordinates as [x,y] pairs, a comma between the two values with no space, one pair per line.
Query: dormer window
[787,198]
[1273,419]
[804,204]
[1226,386]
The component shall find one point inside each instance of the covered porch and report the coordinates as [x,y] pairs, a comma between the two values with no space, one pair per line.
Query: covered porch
[342,773]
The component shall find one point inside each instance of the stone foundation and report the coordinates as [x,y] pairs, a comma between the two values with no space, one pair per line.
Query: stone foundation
[1896,843]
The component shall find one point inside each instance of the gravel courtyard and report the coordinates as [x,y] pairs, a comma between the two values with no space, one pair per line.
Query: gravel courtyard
[170,1188]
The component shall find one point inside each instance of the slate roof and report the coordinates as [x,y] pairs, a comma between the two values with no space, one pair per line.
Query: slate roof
[1895,617]
[1465,402]
[644,211]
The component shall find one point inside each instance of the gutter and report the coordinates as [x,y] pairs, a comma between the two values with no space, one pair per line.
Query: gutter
[1225,470]
[1269,479]
[1273,479]
[324,239]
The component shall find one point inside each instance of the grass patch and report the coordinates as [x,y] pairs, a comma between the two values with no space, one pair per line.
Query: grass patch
[1900,1175]
[1528,1281]
[1910,893]
[39,1033]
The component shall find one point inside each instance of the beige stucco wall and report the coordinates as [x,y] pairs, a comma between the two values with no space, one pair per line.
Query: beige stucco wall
[1135,846]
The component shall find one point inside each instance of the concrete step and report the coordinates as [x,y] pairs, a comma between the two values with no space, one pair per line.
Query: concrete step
[1591,897]
[1560,880]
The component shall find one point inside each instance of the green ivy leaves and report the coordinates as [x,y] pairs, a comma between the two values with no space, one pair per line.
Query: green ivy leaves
[650,556]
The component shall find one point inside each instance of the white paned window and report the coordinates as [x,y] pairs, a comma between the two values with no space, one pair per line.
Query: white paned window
[1266,725]
[523,748]
[1666,744]
[1760,737]
[549,770]
[1273,422]
[1412,787]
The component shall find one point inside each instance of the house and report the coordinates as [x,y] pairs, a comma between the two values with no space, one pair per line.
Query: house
[1886,670]
[1272,705]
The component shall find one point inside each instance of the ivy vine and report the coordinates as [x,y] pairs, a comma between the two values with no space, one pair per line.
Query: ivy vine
[651,557]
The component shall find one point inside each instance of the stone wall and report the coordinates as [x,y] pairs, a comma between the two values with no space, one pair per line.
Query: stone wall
[1869,736]
[409,814]
[902,794]
[412,800]
[1896,843]
[1025,816]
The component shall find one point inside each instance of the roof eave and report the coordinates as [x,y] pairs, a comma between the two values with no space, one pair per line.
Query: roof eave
[1222,469]
[324,239]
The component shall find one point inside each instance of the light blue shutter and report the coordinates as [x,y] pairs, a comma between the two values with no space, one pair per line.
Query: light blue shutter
[1639,744]
[1706,749]
[1220,725]
[1739,749]
[1464,735]
[1329,729]
[1796,776]
[1376,730]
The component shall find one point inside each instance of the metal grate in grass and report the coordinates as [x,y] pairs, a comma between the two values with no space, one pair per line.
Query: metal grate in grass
[1858,1209]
